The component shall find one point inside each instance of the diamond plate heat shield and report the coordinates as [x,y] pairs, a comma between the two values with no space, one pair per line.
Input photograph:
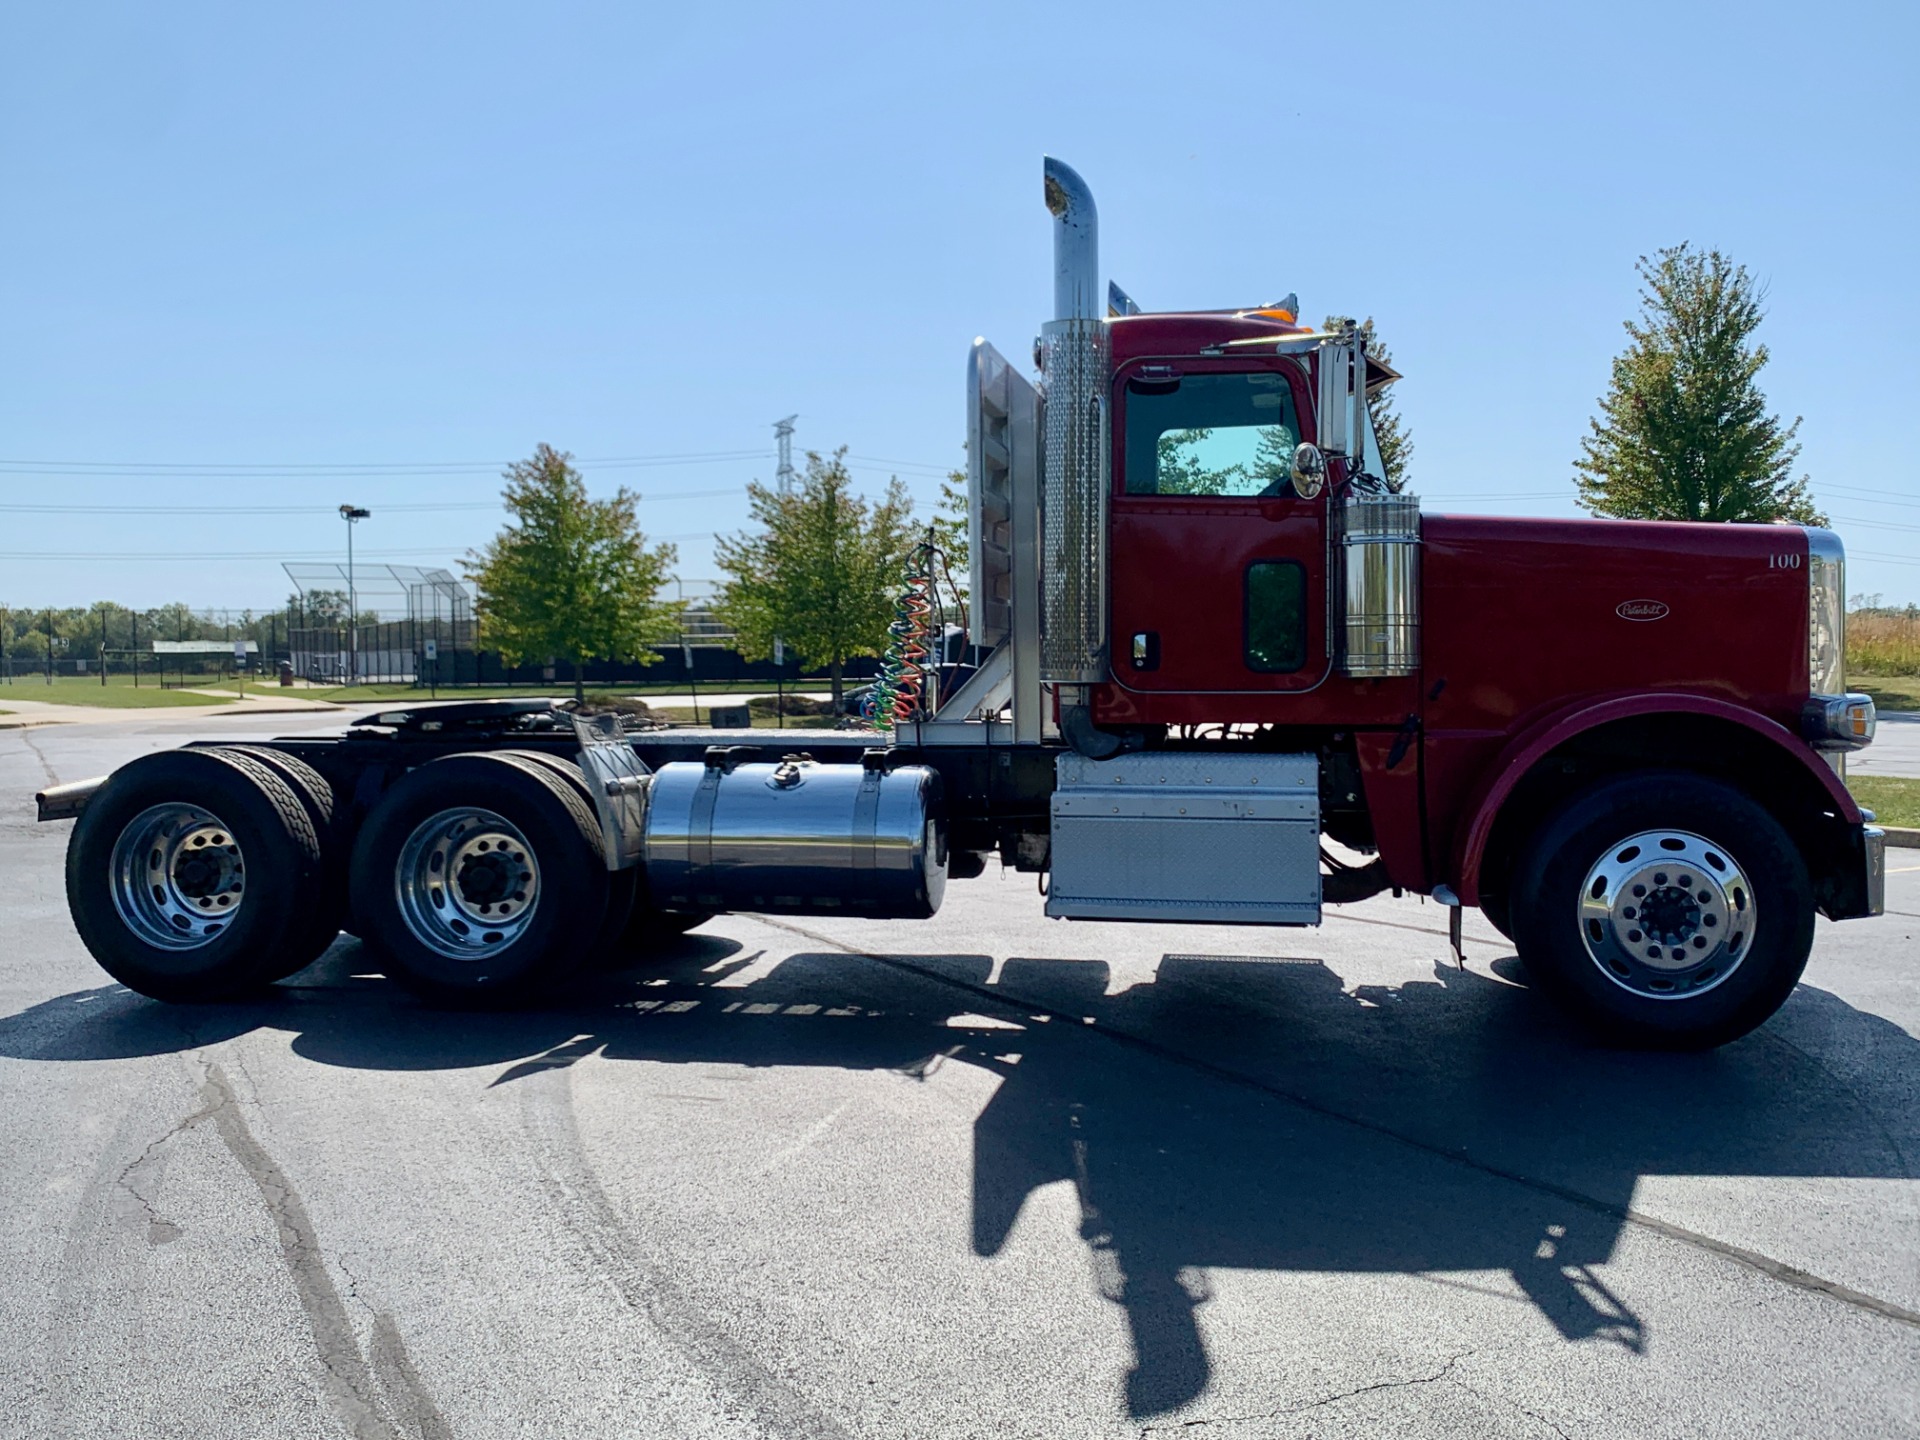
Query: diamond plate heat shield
[1187,837]
[1073,503]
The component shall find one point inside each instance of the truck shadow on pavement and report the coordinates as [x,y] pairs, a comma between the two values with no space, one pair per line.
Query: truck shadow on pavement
[1236,1113]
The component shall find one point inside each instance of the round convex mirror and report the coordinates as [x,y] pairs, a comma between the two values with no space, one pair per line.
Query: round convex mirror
[1309,470]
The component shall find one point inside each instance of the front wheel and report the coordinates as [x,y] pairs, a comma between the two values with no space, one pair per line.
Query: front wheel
[1664,909]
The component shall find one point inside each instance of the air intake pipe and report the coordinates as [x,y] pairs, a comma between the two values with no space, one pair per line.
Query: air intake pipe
[1073,496]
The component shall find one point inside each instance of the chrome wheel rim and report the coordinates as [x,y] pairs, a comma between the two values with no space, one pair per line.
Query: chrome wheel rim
[1667,914]
[178,876]
[467,883]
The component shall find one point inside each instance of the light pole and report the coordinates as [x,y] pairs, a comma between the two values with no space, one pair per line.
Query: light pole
[350,514]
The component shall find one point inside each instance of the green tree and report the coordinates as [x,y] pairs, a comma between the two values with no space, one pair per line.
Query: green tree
[1183,472]
[821,573]
[949,524]
[570,577]
[1390,432]
[1684,432]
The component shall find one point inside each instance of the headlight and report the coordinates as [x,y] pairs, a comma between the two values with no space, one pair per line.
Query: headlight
[1838,722]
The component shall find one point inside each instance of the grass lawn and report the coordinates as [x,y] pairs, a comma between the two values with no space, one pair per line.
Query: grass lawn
[559,690]
[118,693]
[1893,800]
[1889,692]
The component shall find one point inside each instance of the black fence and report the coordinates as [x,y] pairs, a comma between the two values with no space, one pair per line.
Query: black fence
[443,656]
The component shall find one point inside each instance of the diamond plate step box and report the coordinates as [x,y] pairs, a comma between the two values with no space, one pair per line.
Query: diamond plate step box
[1187,837]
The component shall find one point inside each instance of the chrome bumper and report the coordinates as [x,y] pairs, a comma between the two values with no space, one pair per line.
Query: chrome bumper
[1855,884]
[1873,849]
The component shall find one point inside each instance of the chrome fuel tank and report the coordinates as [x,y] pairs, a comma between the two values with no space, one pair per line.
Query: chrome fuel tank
[797,838]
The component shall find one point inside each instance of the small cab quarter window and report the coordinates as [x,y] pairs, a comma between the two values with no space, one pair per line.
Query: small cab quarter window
[1209,434]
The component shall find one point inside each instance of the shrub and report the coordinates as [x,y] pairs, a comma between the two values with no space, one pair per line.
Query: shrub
[795,705]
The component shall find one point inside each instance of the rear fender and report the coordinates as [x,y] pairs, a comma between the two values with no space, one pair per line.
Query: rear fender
[1534,745]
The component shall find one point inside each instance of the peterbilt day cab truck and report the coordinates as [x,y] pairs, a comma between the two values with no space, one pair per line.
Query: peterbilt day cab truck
[1212,640]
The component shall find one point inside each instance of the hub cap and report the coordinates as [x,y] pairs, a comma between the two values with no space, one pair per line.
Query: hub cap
[178,878]
[467,883]
[1666,914]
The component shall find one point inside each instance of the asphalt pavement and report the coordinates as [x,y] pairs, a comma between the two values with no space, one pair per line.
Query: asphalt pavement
[988,1175]
[1895,749]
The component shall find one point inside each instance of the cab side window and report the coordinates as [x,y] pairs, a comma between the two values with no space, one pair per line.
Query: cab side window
[1210,434]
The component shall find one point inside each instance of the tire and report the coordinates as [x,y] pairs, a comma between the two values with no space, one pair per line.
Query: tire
[1734,918]
[623,886]
[329,905]
[231,861]
[506,832]
[630,925]
[1498,910]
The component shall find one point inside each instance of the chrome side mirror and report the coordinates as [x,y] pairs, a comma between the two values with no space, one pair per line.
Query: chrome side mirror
[1309,470]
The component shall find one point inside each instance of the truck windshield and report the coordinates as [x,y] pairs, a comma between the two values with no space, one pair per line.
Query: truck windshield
[1210,434]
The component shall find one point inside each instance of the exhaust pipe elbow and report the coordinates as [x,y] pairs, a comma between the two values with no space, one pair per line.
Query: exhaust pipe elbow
[1076,243]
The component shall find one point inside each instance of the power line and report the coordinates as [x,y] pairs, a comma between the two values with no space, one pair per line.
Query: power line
[408,507]
[221,509]
[198,555]
[274,469]
[201,555]
[1877,524]
[1849,487]
[941,471]
[355,467]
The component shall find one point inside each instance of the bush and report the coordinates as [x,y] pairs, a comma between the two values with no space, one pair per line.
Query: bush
[1883,642]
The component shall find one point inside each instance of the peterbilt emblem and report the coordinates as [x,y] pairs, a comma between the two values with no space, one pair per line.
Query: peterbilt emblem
[1641,609]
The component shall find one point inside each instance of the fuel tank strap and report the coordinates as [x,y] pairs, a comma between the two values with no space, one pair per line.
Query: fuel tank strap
[866,819]
[700,828]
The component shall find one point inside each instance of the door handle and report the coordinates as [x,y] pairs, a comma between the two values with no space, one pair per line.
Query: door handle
[1146,650]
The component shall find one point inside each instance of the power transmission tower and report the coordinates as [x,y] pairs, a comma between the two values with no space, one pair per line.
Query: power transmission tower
[783,432]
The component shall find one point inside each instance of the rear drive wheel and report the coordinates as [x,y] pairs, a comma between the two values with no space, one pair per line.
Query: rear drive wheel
[623,886]
[328,907]
[479,878]
[1664,909]
[189,873]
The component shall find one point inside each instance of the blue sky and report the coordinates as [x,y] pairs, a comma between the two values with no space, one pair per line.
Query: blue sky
[426,238]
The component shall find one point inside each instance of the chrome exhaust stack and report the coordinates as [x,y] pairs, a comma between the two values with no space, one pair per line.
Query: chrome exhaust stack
[1073,496]
[1076,243]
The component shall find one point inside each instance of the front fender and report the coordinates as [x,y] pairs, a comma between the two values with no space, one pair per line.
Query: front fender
[1536,743]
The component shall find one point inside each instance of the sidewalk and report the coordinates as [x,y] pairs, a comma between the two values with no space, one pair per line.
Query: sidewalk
[23,713]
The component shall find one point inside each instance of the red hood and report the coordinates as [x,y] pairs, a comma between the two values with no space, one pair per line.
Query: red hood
[1524,615]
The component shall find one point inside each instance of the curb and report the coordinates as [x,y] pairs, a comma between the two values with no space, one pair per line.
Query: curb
[1901,838]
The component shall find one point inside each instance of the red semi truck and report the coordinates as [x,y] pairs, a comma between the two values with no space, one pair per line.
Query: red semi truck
[1211,641]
